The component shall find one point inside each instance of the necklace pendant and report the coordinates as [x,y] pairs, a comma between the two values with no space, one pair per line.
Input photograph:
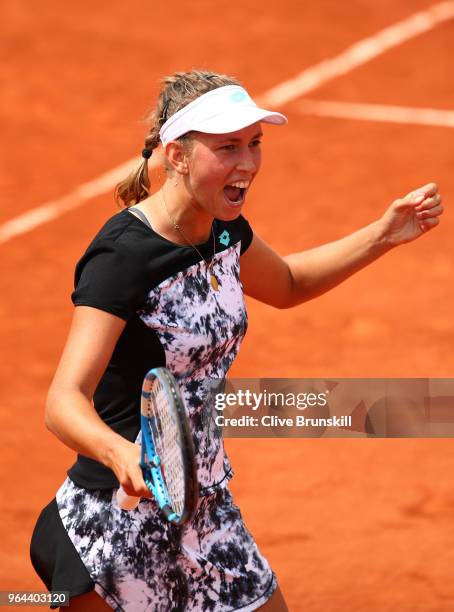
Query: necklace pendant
[214,282]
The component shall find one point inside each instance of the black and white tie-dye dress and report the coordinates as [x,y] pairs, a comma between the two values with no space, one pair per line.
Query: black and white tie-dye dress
[136,560]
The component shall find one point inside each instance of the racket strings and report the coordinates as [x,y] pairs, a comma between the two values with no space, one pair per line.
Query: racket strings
[167,442]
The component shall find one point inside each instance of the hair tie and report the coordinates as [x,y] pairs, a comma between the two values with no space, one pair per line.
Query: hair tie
[146,153]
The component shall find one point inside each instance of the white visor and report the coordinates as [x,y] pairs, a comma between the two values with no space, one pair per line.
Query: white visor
[220,111]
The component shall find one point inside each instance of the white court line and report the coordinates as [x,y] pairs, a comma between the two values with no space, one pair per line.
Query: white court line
[360,53]
[51,210]
[378,112]
[308,80]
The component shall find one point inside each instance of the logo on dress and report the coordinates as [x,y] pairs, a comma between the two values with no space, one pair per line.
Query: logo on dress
[224,238]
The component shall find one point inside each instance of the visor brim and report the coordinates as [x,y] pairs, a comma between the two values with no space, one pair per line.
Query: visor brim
[228,122]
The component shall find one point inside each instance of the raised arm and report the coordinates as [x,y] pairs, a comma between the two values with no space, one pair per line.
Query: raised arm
[284,282]
[70,414]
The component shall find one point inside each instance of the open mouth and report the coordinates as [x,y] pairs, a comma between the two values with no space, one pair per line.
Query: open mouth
[236,192]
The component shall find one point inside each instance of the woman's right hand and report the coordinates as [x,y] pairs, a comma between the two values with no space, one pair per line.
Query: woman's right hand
[125,464]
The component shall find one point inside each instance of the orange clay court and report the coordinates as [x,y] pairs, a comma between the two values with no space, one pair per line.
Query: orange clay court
[348,525]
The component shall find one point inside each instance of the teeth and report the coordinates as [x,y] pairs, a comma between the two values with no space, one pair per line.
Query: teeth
[241,184]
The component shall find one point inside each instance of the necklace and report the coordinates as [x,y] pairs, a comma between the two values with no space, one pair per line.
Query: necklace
[213,280]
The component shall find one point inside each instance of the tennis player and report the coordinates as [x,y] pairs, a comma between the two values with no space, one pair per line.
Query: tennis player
[160,286]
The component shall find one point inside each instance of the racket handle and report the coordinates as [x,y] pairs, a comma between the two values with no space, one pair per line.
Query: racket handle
[125,501]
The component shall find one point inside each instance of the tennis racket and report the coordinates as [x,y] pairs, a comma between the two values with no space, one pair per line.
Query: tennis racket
[167,455]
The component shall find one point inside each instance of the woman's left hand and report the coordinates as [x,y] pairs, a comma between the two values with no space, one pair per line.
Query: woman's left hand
[410,217]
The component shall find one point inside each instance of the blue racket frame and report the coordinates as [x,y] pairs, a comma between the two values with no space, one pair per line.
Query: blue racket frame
[151,470]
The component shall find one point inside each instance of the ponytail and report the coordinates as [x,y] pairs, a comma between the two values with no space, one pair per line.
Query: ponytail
[136,187]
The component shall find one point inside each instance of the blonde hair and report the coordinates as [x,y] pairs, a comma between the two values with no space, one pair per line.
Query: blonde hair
[178,90]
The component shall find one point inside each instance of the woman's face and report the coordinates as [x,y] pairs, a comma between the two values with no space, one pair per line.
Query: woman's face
[221,170]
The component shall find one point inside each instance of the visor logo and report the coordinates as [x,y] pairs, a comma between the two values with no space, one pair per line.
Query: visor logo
[224,238]
[238,96]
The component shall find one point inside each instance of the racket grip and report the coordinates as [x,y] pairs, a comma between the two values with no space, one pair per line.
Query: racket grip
[125,501]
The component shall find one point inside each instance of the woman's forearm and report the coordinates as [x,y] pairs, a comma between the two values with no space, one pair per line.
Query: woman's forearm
[72,418]
[318,270]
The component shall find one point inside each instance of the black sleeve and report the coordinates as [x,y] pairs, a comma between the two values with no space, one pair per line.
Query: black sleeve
[111,277]
[245,232]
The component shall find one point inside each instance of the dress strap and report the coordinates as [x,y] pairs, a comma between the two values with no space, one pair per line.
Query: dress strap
[141,216]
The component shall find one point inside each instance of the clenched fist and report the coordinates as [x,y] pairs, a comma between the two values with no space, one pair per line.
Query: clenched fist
[410,217]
